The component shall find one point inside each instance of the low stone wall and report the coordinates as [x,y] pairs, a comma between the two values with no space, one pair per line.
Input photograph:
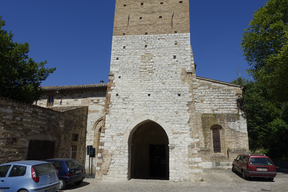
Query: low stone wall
[20,123]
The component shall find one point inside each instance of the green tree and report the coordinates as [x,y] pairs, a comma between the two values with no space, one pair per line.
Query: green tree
[20,76]
[265,46]
[267,120]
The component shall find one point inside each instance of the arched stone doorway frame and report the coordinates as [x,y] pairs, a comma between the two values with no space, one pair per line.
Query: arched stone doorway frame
[97,129]
[97,133]
[127,139]
[223,139]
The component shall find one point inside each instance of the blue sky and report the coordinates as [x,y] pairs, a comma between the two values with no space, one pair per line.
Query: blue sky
[76,36]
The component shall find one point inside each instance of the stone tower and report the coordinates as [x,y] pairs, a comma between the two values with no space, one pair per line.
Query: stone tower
[150,124]
[157,120]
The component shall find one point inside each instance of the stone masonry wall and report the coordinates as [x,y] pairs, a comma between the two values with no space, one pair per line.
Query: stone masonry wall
[219,104]
[75,122]
[24,122]
[148,85]
[94,99]
[213,96]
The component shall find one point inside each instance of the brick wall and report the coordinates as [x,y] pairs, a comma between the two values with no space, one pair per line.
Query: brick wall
[151,17]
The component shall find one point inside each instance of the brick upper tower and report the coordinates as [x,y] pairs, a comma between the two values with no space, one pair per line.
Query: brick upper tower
[151,17]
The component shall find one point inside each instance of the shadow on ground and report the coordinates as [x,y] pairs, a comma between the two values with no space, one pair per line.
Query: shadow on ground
[253,178]
[71,187]
[281,170]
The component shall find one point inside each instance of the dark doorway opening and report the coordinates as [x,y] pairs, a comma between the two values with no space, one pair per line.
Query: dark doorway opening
[40,150]
[157,161]
[149,154]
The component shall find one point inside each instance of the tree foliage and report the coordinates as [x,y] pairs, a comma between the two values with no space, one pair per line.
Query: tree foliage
[20,76]
[267,120]
[265,46]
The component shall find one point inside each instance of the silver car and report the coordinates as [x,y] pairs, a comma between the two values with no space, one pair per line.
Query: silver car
[28,176]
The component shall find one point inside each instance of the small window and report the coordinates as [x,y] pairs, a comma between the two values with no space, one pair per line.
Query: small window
[146,46]
[216,140]
[174,56]
[175,43]
[142,3]
[123,33]
[175,31]
[179,95]
[119,77]
[160,17]
[140,17]
[124,47]
[161,2]
[124,5]
[4,169]
[74,137]
[149,95]
[146,33]
[17,171]
[117,58]
[180,1]
[117,94]
[50,101]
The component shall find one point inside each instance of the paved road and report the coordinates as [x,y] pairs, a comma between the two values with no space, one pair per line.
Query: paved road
[214,181]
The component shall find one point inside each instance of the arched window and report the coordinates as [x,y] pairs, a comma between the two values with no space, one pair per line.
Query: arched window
[216,140]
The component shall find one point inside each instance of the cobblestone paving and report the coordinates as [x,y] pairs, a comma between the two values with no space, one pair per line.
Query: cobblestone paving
[214,181]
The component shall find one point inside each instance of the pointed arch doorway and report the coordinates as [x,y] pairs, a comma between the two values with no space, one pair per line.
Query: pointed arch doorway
[148,152]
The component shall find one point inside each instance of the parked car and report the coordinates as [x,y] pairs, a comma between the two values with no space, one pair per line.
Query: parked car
[28,176]
[252,165]
[70,171]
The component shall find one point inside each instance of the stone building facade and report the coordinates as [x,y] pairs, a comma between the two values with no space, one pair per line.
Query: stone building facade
[33,132]
[155,119]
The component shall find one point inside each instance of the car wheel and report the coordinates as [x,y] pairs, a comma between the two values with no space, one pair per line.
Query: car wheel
[78,182]
[23,190]
[62,184]
[271,179]
[244,175]
[233,169]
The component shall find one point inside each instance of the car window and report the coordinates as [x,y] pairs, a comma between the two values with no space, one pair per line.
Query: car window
[73,164]
[260,161]
[4,169]
[245,159]
[238,158]
[44,169]
[241,158]
[17,171]
[57,164]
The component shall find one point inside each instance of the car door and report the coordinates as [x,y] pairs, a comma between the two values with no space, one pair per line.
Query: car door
[237,163]
[4,170]
[240,164]
[17,178]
